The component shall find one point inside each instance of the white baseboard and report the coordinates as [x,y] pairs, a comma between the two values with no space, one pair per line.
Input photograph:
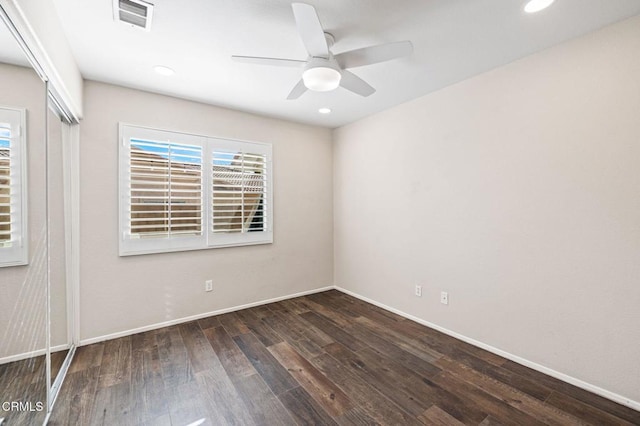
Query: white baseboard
[541,368]
[156,326]
[31,354]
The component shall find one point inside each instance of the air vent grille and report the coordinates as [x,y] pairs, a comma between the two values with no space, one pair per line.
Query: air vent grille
[137,13]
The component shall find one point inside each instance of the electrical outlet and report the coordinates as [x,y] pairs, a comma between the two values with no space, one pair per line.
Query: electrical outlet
[208,285]
[418,290]
[444,297]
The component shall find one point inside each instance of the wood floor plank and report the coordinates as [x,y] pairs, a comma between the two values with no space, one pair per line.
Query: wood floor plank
[338,318]
[330,397]
[304,409]
[209,322]
[490,421]
[57,359]
[489,404]
[356,307]
[87,357]
[221,397]
[174,358]
[148,392]
[436,338]
[294,321]
[375,404]
[233,360]
[274,374]
[259,328]
[285,323]
[187,406]
[112,405]
[509,395]
[332,300]
[164,420]
[296,306]
[576,393]
[403,341]
[381,378]
[233,324]
[355,417]
[216,388]
[116,362]
[385,347]
[143,341]
[437,417]
[291,334]
[201,354]
[523,384]
[80,390]
[333,331]
[261,311]
[263,406]
[585,412]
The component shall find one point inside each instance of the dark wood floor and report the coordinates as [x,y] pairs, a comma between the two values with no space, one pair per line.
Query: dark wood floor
[25,381]
[323,359]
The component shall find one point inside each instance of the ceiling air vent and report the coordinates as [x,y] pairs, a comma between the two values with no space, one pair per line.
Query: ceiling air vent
[136,13]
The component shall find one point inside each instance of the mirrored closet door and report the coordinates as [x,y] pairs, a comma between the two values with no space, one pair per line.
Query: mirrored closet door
[23,238]
[36,336]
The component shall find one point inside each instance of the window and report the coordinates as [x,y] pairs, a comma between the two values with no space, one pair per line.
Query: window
[13,188]
[186,192]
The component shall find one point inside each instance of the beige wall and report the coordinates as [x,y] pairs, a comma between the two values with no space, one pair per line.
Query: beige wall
[123,293]
[518,193]
[22,288]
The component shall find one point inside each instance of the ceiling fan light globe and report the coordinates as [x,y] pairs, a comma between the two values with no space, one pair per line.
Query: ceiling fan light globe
[321,79]
[534,6]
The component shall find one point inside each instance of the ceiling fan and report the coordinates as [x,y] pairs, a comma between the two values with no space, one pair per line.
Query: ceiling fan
[324,71]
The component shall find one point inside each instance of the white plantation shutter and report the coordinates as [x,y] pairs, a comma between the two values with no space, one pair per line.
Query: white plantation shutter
[13,196]
[161,191]
[166,189]
[239,186]
[240,193]
[5,184]
[186,192]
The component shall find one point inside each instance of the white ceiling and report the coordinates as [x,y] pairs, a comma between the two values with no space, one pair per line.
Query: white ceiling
[453,40]
[10,50]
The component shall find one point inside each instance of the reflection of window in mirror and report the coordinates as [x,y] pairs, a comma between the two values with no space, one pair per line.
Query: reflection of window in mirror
[13,188]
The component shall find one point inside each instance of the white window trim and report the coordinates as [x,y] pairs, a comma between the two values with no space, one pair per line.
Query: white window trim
[18,253]
[208,239]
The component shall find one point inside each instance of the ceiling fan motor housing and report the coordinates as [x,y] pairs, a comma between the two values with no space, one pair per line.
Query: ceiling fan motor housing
[322,74]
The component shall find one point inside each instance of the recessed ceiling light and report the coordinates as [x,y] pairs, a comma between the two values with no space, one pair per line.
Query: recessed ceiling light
[537,5]
[324,110]
[162,70]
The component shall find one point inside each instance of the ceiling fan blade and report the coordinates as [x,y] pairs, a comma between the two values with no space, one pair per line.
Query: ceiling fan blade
[310,30]
[269,61]
[352,82]
[374,54]
[297,91]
